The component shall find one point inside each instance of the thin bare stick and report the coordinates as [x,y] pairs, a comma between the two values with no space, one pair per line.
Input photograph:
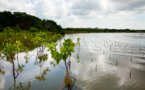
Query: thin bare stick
[62,83]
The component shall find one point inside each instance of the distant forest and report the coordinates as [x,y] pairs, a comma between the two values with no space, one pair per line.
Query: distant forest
[106,30]
[22,21]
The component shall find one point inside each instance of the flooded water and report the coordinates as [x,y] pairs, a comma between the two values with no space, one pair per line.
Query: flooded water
[103,61]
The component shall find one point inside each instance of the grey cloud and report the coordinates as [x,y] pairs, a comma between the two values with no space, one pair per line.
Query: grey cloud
[84,7]
[128,5]
[81,12]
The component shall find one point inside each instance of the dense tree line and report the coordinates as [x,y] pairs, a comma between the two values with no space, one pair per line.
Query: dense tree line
[27,22]
[88,30]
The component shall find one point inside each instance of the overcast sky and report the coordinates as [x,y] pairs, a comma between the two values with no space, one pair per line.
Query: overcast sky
[84,13]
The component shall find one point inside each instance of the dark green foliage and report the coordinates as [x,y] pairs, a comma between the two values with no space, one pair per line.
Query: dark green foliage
[65,50]
[28,39]
[33,29]
[7,19]
[52,26]
[1,28]
[27,22]
[17,29]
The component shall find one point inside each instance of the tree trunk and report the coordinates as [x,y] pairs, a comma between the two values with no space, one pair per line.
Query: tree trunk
[67,73]
[13,68]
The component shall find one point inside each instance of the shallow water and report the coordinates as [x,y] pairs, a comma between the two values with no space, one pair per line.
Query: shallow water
[103,61]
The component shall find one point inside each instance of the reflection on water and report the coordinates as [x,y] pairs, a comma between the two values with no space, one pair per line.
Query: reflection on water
[20,86]
[2,70]
[114,63]
[40,60]
[103,61]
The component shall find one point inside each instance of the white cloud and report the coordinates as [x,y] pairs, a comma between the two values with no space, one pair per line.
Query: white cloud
[50,9]
[17,5]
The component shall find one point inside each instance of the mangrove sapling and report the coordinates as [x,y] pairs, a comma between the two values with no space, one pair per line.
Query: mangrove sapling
[96,68]
[9,51]
[116,62]
[110,47]
[38,41]
[20,67]
[130,73]
[92,59]
[65,52]
[71,80]
[141,35]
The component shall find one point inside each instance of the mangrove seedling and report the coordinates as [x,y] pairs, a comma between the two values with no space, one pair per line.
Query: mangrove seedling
[65,52]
